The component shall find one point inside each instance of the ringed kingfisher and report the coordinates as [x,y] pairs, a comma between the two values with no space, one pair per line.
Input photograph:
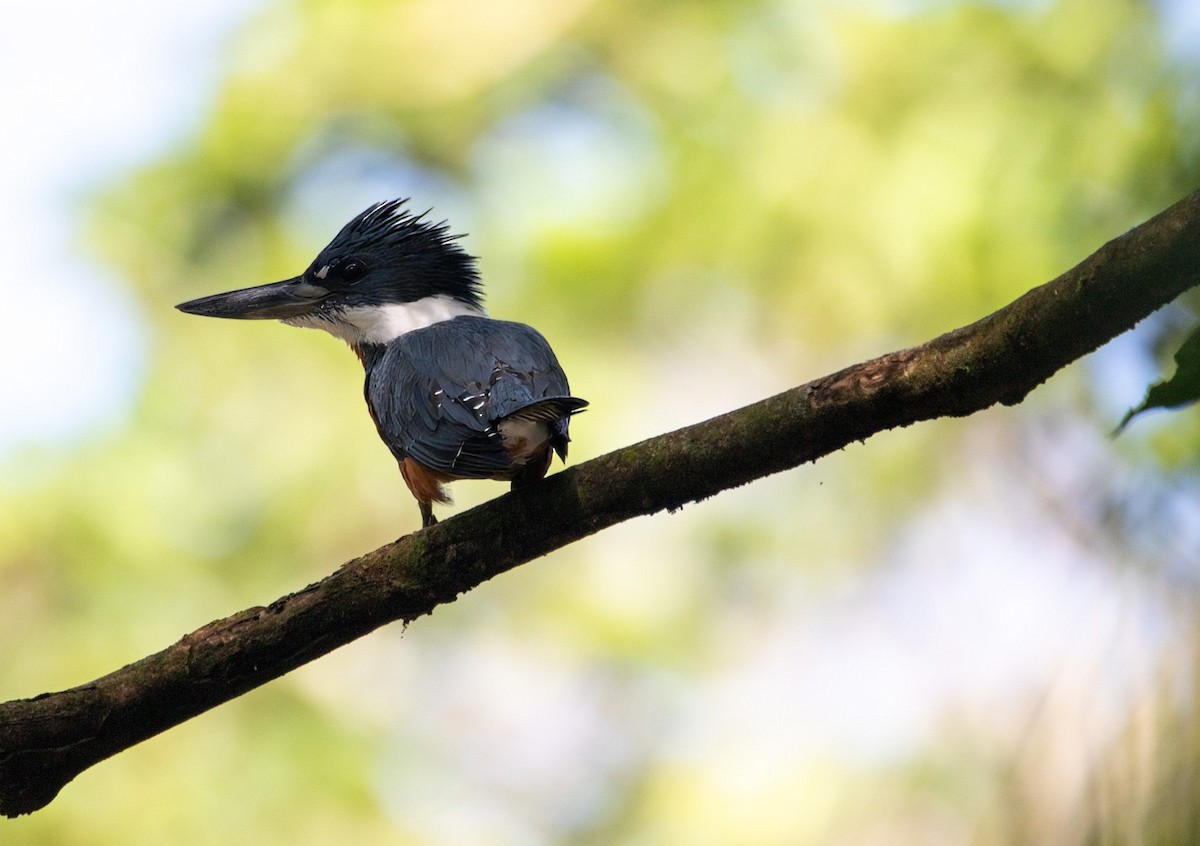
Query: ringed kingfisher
[453,393]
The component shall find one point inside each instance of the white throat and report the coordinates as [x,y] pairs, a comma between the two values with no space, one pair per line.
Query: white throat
[381,324]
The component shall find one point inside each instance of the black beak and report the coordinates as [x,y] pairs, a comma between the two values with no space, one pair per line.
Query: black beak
[277,301]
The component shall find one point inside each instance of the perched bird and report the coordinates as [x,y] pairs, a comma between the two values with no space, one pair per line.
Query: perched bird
[454,394]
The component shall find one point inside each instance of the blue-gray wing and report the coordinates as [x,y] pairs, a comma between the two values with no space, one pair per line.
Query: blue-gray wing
[437,393]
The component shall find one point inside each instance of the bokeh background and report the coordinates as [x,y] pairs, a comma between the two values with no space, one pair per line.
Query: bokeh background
[978,631]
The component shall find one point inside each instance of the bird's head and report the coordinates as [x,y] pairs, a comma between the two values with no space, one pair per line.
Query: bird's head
[386,273]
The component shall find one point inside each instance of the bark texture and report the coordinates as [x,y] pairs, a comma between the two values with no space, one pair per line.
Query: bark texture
[48,740]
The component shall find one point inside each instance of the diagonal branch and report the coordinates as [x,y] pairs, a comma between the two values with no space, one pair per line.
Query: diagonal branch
[48,740]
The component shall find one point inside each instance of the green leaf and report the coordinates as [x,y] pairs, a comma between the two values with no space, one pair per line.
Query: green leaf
[1180,389]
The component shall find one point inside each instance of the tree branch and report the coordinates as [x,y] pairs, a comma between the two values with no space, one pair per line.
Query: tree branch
[48,740]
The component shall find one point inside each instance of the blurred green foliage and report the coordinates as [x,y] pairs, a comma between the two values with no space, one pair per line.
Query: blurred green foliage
[698,204]
[1183,388]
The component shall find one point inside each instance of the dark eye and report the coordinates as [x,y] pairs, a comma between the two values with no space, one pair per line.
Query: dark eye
[353,270]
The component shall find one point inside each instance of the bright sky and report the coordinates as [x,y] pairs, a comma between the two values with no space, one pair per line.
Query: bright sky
[89,89]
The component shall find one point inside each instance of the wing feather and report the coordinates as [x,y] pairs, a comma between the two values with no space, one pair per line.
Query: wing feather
[437,393]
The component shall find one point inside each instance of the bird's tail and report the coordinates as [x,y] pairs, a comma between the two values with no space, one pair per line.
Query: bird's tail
[555,412]
[549,410]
